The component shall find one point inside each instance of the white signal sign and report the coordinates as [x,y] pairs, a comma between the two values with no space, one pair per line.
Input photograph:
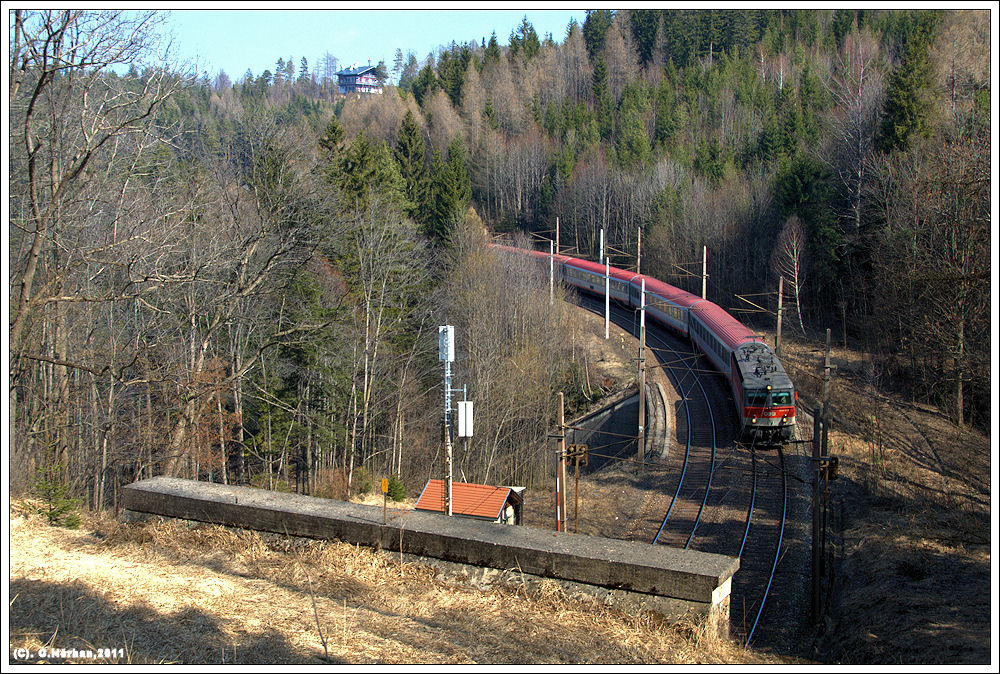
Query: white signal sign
[465,419]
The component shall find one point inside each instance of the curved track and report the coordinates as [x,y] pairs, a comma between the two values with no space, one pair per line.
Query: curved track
[694,482]
[717,494]
[776,556]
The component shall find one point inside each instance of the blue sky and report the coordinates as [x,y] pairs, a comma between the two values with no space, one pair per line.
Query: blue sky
[235,40]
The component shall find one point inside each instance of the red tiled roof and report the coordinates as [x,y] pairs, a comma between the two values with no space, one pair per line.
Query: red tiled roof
[470,500]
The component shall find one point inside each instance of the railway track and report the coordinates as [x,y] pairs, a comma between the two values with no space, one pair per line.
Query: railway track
[717,495]
[693,482]
[762,546]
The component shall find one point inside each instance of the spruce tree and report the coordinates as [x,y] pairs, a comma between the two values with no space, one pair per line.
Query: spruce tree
[450,191]
[909,95]
[595,30]
[366,168]
[410,153]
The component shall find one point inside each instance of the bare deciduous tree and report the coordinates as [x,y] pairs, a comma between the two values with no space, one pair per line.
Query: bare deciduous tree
[857,87]
[788,261]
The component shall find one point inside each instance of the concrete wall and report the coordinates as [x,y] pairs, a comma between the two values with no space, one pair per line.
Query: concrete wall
[671,581]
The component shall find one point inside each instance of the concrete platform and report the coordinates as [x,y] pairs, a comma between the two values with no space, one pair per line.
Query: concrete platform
[671,581]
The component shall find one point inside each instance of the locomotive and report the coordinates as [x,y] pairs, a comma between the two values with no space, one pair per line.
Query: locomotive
[763,394]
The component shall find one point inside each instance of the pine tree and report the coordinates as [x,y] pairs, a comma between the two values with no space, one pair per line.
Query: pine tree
[644,30]
[425,84]
[665,125]
[492,51]
[279,72]
[490,114]
[603,104]
[332,139]
[397,65]
[843,21]
[524,40]
[633,143]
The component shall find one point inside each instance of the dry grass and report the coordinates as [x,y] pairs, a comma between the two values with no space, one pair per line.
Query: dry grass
[911,513]
[175,592]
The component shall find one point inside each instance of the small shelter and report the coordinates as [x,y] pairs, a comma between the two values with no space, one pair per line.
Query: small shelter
[479,501]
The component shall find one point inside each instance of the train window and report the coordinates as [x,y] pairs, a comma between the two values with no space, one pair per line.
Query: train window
[756,398]
[781,398]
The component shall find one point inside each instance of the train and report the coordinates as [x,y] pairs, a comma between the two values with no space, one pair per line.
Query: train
[763,395]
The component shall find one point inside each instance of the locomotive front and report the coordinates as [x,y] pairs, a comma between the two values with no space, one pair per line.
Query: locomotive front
[768,405]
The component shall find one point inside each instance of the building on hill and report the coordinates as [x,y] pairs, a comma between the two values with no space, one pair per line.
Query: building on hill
[358,80]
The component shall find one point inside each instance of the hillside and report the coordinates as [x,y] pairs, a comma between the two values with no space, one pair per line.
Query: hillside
[910,521]
[239,280]
[911,546]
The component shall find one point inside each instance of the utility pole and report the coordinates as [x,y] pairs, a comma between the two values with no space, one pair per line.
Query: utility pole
[561,468]
[817,559]
[638,253]
[641,451]
[607,298]
[552,274]
[600,252]
[781,294]
[704,272]
[446,353]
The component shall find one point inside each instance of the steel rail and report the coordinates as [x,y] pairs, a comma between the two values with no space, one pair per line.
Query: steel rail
[711,468]
[753,497]
[777,548]
[622,319]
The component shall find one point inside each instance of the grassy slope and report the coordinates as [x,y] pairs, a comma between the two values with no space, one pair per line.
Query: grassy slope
[172,592]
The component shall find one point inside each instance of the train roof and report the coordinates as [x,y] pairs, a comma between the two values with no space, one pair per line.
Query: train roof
[668,292]
[587,265]
[760,368]
[725,327]
[538,254]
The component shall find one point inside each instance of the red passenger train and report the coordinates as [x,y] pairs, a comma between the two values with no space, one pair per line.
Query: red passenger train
[762,392]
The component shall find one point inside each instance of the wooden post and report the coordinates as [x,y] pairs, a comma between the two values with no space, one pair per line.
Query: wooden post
[826,393]
[781,295]
[576,498]
[843,323]
[552,274]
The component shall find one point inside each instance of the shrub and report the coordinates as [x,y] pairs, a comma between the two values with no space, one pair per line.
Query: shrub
[362,481]
[397,492]
[51,490]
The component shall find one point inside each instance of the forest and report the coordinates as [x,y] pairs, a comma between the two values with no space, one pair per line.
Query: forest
[241,281]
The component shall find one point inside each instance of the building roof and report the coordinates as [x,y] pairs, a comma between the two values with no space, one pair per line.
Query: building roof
[357,70]
[469,500]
